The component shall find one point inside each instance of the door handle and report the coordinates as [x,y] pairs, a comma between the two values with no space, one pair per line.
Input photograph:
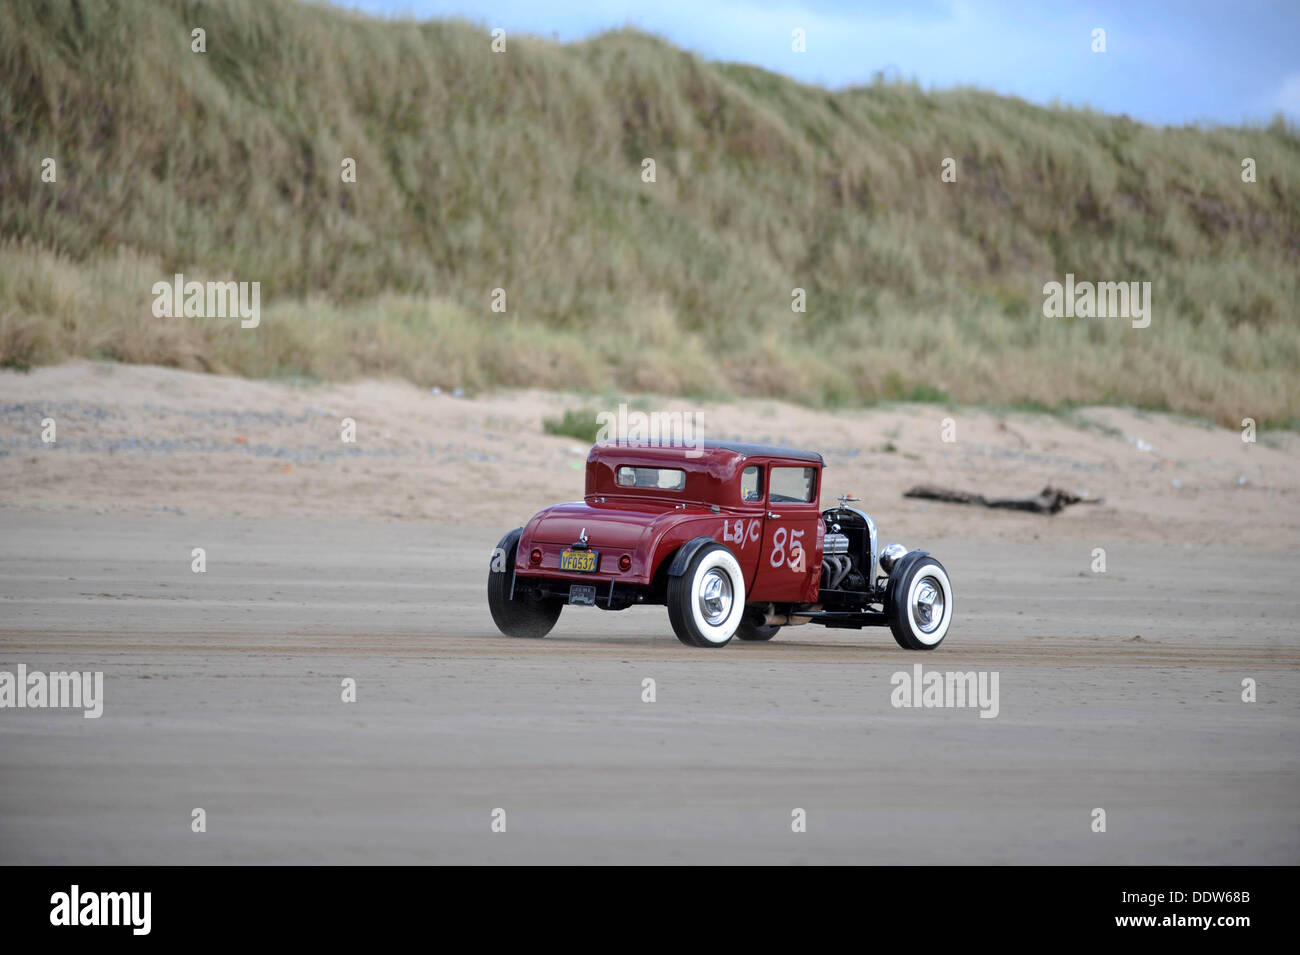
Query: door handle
[773,516]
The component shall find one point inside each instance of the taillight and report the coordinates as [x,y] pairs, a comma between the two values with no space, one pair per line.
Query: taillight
[625,563]
[536,556]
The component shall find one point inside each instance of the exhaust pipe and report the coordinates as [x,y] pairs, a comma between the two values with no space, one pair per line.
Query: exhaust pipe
[773,619]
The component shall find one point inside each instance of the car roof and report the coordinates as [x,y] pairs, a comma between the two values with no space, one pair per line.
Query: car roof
[736,447]
[765,450]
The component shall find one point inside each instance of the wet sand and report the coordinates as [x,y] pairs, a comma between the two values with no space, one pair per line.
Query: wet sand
[223,691]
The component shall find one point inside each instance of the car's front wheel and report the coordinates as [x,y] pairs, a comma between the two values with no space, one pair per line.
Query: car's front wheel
[707,602]
[521,615]
[920,610]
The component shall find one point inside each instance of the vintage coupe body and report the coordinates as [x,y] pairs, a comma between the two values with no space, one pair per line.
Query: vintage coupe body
[730,537]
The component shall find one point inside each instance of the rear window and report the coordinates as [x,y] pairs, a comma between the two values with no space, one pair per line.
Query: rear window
[663,479]
[792,485]
[751,483]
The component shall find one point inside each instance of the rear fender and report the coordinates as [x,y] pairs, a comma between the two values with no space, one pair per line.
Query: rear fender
[684,554]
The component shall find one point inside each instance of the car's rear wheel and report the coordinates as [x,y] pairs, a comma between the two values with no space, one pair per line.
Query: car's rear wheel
[521,615]
[707,602]
[920,611]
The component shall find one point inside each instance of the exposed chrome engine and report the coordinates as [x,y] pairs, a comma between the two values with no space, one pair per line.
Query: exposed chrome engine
[849,552]
[836,562]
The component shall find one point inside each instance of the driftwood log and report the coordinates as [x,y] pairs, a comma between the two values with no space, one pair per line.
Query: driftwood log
[1050,500]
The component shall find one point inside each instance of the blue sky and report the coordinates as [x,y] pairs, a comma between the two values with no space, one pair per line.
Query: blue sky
[1165,62]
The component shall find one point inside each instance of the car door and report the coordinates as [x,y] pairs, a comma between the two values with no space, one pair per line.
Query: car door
[789,564]
[742,528]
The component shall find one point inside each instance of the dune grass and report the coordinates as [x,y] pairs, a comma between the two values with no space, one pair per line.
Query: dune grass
[523,171]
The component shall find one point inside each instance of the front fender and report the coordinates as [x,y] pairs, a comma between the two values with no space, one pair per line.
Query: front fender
[901,567]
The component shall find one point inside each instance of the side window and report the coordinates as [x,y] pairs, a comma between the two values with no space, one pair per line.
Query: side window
[793,485]
[751,483]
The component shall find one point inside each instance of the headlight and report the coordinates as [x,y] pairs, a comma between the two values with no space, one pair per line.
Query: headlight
[890,555]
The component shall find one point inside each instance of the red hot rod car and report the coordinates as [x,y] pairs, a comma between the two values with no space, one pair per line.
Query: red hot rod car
[730,537]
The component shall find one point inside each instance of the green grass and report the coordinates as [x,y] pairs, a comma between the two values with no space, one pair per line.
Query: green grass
[929,394]
[523,171]
[574,424]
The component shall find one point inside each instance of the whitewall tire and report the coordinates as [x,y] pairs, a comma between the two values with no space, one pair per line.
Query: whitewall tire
[706,603]
[921,611]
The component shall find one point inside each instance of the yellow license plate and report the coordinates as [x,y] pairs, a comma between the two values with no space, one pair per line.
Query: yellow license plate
[583,561]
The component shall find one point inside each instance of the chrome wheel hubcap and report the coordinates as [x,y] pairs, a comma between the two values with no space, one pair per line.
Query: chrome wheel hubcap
[927,605]
[715,597]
